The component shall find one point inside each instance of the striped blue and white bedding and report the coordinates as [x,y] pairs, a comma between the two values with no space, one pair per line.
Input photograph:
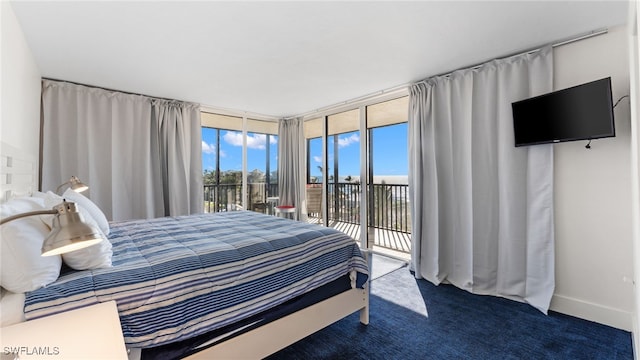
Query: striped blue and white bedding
[177,277]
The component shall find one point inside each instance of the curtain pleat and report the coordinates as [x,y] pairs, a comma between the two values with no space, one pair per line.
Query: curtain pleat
[121,145]
[179,136]
[291,160]
[482,209]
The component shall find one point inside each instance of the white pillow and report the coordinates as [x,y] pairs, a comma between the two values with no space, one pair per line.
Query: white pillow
[39,195]
[91,208]
[93,257]
[23,268]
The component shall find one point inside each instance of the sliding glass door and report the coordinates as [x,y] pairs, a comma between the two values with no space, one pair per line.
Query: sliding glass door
[388,180]
[343,154]
[262,164]
[362,153]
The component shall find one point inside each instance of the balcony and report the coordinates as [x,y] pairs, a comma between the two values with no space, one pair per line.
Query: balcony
[388,212]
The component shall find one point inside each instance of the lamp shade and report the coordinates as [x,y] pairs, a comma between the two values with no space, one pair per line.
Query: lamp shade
[69,231]
[77,185]
[74,183]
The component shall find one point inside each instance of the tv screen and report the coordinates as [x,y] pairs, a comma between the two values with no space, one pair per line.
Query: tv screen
[582,112]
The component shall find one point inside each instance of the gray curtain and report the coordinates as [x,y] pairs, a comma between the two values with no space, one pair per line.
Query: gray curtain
[291,165]
[180,149]
[140,156]
[482,209]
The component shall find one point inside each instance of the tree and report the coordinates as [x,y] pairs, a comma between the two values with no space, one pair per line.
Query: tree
[231,177]
[209,177]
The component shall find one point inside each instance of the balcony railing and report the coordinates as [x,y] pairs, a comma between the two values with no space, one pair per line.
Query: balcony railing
[389,209]
[228,197]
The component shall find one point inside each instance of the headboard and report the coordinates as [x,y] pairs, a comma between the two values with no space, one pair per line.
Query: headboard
[18,172]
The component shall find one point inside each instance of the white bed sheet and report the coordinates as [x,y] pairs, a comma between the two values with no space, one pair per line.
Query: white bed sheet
[11,308]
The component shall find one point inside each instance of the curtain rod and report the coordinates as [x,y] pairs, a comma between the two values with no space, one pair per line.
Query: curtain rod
[237,113]
[407,85]
[566,41]
[396,90]
[114,90]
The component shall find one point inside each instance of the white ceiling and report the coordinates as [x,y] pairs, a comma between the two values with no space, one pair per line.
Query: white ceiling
[287,58]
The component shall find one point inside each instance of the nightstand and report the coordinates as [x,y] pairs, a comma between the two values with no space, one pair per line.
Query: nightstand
[92,332]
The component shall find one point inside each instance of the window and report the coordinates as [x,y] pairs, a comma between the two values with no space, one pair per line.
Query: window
[262,163]
[222,162]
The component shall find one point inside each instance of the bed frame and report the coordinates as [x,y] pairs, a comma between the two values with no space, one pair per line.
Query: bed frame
[18,173]
[269,338]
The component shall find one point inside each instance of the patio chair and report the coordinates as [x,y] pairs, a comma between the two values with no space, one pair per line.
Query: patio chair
[314,202]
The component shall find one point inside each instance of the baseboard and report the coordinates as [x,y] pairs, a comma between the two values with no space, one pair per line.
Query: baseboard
[593,312]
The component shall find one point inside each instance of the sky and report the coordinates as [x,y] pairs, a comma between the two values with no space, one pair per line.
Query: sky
[231,150]
[389,150]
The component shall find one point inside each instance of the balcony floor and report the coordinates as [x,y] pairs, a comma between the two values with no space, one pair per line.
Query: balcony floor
[388,242]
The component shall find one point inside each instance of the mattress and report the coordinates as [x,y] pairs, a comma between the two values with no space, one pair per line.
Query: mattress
[175,278]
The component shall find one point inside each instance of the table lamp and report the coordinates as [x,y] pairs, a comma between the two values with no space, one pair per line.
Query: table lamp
[74,183]
[69,231]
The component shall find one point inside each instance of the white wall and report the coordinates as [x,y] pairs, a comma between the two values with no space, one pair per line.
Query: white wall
[19,87]
[634,67]
[594,247]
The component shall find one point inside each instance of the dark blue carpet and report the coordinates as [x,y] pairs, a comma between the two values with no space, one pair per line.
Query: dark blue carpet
[459,325]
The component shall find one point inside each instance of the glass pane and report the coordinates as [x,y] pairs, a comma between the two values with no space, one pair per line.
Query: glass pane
[331,150]
[273,165]
[209,167]
[389,147]
[388,191]
[262,164]
[230,170]
[343,152]
[348,156]
[209,148]
[314,155]
[258,149]
[272,181]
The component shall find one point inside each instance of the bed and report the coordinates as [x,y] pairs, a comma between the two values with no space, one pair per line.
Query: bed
[226,285]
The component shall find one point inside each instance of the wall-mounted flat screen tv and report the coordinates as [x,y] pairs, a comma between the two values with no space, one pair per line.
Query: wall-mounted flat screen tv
[582,112]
